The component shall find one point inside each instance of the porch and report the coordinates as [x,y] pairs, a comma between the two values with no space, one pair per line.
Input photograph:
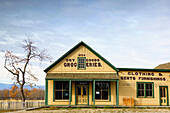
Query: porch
[87,91]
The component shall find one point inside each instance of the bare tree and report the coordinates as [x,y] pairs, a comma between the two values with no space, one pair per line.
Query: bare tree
[18,65]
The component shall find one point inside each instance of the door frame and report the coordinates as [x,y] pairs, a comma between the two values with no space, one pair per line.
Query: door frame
[160,95]
[87,94]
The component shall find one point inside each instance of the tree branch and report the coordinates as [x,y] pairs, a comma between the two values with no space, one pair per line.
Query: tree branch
[32,75]
[20,71]
[9,69]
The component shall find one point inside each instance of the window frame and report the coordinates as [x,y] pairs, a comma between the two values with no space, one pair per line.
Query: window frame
[109,93]
[84,63]
[62,90]
[145,90]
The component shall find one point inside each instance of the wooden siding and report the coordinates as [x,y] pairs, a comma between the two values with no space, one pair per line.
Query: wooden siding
[127,88]
[66,102]
[74,55]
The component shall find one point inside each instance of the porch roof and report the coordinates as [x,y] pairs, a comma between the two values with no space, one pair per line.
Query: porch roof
[105,76]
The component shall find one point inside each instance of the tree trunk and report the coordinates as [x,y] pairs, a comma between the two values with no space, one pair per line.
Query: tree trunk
[23,96]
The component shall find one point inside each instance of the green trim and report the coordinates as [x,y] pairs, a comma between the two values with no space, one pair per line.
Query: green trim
[85,105]
[145,89]
[142,69]
[46,92]
[75,94]
[136,90]
[59,79]
[109,91]
[58,105]
[54,89]
[167,97]
[94,92]
[74,48]
[70,99]
[84,63]
[106,79]
[160,95]
[88,94]
[117,93]
[83,79]
[153,91]
[81,104]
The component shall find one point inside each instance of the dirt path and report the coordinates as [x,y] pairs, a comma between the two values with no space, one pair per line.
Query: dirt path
[101,111]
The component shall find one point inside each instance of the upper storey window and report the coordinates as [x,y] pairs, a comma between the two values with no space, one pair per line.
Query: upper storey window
[81,63]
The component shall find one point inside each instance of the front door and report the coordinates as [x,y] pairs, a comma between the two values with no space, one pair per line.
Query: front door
[81,96]
[163,96]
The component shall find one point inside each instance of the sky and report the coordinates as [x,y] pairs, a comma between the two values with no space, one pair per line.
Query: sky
[128,33]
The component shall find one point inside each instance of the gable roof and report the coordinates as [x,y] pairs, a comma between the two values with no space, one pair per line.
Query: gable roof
[74,48]
[163,66]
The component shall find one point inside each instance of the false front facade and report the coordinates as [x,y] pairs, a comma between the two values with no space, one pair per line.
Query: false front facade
[83,77]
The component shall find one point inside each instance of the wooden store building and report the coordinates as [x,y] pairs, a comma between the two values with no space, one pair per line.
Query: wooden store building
[83,77]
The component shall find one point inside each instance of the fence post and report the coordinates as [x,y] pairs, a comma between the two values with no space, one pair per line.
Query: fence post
[15,106]
[8,105]
[23,105]
[26,104]
[1,105]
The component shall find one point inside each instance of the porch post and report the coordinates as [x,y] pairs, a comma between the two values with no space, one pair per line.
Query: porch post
[46,92]
[94,92]
[70,95]
[117,92]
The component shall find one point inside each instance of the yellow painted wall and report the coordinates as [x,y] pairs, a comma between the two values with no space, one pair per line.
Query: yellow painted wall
[60,68]
[90,93]
[73,93]
[74,55]
[127,88]
[66,102]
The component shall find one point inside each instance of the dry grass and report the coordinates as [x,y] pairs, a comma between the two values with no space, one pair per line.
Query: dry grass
[21,100]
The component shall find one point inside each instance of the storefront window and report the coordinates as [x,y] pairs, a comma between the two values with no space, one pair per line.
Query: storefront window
[61,90]
[145,90]
[141,89]
[149,89]
[102,90]
[81,63]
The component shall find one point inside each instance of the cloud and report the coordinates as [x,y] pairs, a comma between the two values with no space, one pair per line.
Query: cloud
[9,38]
[24,23]
[5,76]
[127,33]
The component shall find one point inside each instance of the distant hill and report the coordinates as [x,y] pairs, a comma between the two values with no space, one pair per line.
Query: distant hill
[8,86]
[163,66]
